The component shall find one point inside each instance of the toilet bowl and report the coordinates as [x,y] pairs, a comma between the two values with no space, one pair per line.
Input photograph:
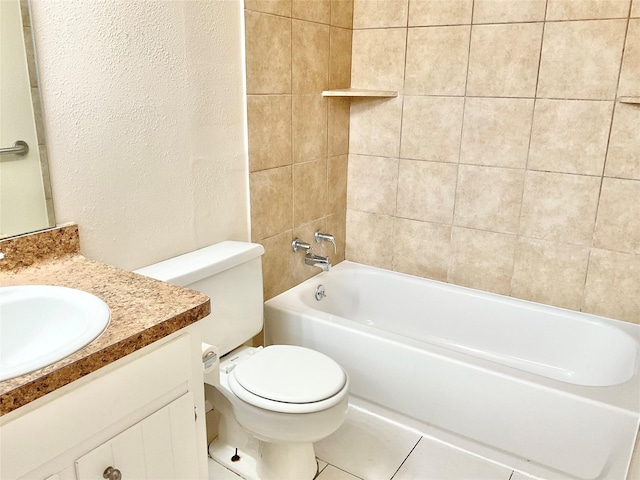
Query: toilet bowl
[286,397]
[273,402]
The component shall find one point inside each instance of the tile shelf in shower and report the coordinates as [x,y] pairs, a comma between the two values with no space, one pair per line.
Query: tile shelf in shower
[629,100]
[359,93]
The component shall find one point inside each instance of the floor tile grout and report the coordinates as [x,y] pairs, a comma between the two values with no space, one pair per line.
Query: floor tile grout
[406,458]
[343,470]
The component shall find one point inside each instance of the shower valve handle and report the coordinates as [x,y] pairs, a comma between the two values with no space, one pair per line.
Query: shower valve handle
[325,237]
[298,245]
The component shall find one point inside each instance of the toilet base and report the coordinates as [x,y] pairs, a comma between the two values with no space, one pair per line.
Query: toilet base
[268,461]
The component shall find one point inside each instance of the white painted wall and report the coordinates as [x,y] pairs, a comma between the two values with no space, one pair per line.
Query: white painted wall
[144,108]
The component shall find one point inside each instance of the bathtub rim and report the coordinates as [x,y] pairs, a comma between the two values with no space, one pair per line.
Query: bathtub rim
[630,328]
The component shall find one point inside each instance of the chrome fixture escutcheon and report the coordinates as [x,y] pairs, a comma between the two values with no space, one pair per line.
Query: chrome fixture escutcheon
[320,294]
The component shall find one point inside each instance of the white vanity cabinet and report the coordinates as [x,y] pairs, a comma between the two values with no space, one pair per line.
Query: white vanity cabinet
[137,415]
[162,446]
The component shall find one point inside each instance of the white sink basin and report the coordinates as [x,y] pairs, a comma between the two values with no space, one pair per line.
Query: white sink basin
[41,324]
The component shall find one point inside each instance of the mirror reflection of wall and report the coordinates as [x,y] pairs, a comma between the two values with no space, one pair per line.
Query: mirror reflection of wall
[25,193]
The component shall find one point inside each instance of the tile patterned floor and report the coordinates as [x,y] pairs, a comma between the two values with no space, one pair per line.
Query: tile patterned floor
[370,447]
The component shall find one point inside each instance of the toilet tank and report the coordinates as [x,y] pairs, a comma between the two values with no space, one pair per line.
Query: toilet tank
[230,273]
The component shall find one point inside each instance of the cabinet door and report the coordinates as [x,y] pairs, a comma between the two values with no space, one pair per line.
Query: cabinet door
[162,446]
[68,473]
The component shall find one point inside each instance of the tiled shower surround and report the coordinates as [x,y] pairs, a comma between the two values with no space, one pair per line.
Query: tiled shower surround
[504,164]
[298,140]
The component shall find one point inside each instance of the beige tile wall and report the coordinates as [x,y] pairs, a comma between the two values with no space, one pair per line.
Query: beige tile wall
[505,163]
[298,140]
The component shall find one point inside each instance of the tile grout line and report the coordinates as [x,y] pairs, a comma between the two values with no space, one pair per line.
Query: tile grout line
[465,227]
[583,302]
[479,165]
[340,469]
[348,153]
[514,22]
[293,162]
[291,17]
[518,97]
[327,112]
[615,102]
[518,234]
[464,110]
[404,80]
[406,458]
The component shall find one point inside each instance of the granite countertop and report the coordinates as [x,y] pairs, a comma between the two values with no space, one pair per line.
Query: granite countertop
[143,310]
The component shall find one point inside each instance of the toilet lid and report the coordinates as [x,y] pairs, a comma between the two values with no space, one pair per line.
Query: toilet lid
[290,374]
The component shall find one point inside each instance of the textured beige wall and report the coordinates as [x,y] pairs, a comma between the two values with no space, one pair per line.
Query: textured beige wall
[505,163]
[144,108]
[298,140]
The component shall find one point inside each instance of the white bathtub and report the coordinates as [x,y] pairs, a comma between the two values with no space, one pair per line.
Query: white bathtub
[548,391]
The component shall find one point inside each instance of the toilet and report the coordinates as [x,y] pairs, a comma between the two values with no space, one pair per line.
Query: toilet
[274,402]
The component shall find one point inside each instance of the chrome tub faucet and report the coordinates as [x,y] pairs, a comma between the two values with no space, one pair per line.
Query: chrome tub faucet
[319,261]
[311,258]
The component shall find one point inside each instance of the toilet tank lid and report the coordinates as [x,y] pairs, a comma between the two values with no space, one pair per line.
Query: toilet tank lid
[191,267]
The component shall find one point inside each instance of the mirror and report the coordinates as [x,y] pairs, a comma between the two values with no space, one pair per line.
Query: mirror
[26,203]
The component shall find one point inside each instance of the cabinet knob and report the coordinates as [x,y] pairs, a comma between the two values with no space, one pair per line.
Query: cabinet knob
[112,474]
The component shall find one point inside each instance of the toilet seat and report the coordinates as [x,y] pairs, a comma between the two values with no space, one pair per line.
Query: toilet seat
[289,379]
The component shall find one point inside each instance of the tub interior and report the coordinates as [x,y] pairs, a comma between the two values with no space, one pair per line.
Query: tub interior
[556,343]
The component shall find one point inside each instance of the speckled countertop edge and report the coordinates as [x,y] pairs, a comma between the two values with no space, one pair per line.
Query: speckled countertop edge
[143,310]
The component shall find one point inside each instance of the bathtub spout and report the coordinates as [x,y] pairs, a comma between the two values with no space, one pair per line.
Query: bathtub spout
[317,261]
